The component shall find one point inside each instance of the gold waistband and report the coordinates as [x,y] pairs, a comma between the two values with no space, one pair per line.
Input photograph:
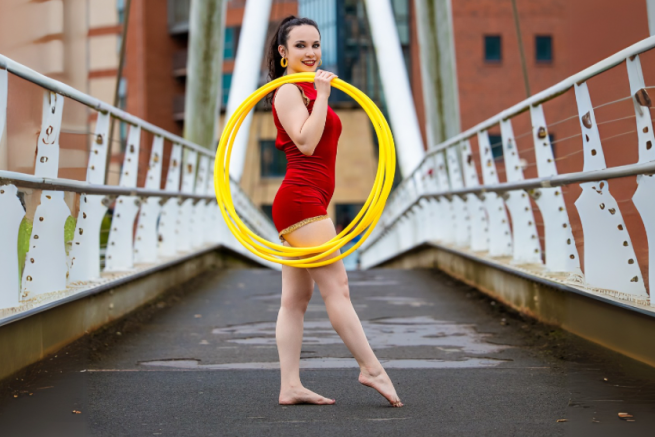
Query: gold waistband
[301,223]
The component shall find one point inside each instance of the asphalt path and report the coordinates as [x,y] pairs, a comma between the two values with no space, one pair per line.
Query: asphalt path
[202,361]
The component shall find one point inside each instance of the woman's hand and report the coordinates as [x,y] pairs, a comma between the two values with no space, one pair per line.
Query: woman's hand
[322,83]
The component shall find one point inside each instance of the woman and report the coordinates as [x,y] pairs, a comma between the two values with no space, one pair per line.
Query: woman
[308,131]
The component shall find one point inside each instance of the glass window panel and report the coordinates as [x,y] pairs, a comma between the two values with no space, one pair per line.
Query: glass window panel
[496,142]
[492,48]
[544,48]
[273,161]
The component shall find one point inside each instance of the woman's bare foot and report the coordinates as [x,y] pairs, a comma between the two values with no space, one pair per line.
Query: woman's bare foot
[300,395]
[380,381]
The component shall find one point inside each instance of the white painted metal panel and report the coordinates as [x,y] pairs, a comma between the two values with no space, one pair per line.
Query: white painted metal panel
[645,193]
[500,241]
[47,156]
[641,101]
[45,264]
[477,212]
[4,89]
[10,219]
[169,214]
[447,209]
[119,255]
[463,222]
[526,247]
[84,255]
[610,260]
[560,249]
[130,169]
[594,158]
[96,167]
[120,246]
[199,215]
[146,239]
[185,223]
[643,200]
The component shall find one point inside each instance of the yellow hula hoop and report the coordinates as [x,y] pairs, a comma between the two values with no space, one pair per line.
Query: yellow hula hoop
[365,220]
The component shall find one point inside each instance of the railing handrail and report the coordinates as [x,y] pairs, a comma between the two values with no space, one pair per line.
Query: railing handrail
[98,105]
[528,184]
[539,98]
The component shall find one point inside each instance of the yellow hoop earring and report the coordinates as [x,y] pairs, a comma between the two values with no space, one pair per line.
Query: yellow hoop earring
[320,62]
[284,62]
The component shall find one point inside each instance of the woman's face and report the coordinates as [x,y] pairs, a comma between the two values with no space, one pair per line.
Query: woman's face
[303,50]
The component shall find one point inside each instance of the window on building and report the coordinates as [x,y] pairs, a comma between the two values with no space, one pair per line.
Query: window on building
[273,161]
[345,213]
[496,142]
[267,209]
[492,48]
[551,138]
[227,83]
[120,8]
[229,51]
[544,48]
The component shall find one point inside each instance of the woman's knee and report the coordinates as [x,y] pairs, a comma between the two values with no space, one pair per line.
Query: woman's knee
[336,287]
[296,301]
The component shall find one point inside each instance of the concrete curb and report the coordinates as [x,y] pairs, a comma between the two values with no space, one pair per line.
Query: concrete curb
[31,336]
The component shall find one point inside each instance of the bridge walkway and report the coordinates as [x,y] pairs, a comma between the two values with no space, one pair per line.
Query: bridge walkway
[201,361]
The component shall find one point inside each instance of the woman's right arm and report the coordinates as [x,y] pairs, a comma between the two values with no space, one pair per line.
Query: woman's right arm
[304,129]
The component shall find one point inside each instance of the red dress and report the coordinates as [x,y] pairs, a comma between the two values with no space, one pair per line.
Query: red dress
[308,184]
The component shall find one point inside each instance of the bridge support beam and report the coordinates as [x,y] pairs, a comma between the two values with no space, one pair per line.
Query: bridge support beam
[395,85]
[438,69]
[205,72]
[245,78]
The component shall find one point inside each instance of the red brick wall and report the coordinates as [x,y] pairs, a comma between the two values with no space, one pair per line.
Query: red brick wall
[584,32]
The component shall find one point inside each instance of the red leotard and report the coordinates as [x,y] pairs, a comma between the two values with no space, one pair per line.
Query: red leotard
[308,184]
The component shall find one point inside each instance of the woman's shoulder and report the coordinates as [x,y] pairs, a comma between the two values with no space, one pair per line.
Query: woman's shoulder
[305,92]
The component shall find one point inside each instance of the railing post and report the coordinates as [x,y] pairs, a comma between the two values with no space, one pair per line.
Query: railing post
[463,220]
[524,230]
[559,246]
[145,244]
[4,91]
[215,227]
[184,227]
[120,246]
[199,215]
[84,256]
[610,260]
[10,218]
[448,211]
[45,264]
[643,197]
[477,213]
[169,214]
[500,241]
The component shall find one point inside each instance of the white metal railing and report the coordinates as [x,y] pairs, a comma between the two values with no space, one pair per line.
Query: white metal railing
[149,226]
[444,201]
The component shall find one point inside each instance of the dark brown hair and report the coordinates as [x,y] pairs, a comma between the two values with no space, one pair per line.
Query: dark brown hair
[280,37]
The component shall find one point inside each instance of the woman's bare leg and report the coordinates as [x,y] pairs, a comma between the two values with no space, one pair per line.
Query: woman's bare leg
[332,281]
[297,288]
